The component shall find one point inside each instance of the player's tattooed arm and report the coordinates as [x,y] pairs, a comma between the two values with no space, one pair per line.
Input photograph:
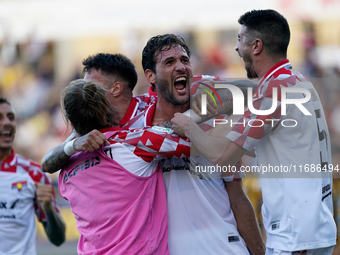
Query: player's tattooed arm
[56,158]
[212,108]
[215,109]
[227,103]
[227,97]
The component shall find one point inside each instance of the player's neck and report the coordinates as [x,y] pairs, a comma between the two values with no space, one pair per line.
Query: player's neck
[5,153]
[265,64]
[165,110]
[120,109]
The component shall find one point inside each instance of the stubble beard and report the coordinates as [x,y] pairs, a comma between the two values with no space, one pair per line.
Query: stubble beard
[163,89]
[251,74]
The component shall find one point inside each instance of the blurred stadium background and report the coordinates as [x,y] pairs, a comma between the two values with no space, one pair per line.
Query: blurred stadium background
[42,44]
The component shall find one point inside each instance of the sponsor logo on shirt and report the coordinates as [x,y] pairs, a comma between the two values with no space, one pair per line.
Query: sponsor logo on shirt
[7,216]
[175,167]
[276,225]
[233,239]
[4,205]
[325,189]
[179,167]
[82,166]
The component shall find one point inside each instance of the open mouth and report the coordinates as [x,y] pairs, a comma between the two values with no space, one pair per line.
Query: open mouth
[180,84]
[6,135]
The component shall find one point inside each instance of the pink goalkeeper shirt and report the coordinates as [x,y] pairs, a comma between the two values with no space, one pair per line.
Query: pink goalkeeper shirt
[117,211]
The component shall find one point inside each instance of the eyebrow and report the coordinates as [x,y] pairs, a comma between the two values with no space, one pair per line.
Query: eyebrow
[168,58]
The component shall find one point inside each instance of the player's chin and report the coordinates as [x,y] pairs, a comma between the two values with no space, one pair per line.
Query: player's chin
[182,100]
[6,146]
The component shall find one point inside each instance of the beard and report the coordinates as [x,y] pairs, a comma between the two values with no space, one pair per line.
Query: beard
[249,66]
[167,91]
[251,74]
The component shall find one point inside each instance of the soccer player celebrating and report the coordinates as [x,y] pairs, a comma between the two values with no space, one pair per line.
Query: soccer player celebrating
[167,66]
[297,212]
[116,192]
[207,214]
[25,190]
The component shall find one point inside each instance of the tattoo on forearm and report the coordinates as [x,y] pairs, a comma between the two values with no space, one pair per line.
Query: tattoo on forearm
[55,159]
[227,102]
[225,108]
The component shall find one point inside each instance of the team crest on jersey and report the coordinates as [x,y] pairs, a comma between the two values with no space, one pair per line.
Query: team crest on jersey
[19,185]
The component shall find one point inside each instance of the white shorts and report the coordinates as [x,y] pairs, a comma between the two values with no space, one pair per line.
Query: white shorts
[321,251]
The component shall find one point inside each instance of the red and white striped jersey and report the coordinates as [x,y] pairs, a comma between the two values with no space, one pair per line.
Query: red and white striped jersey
[199,214]
[297,204]
[139,150]
[19,204]
[145,120]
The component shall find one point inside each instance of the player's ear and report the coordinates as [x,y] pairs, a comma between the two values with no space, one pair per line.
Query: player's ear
[257,46]
[150,76]
[117,88]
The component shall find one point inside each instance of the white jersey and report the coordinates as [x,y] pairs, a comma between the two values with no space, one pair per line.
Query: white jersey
[297,207]
[199,215]
[18,205]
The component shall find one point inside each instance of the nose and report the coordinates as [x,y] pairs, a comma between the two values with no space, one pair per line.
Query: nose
[236,47]
[5,121]
[180,66]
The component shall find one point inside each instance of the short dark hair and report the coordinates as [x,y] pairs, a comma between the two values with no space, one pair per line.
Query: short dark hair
[85,105]
[155,46]
[269,26]
[113,64]
[4,101]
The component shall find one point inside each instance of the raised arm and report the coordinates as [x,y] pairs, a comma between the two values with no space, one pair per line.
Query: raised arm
[54,159]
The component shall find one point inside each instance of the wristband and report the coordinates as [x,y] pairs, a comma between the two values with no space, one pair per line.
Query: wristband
[68,148]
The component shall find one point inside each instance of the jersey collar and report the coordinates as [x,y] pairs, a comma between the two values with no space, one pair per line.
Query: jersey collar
[274,69]
[149,114]
[8,164]
[152,91]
